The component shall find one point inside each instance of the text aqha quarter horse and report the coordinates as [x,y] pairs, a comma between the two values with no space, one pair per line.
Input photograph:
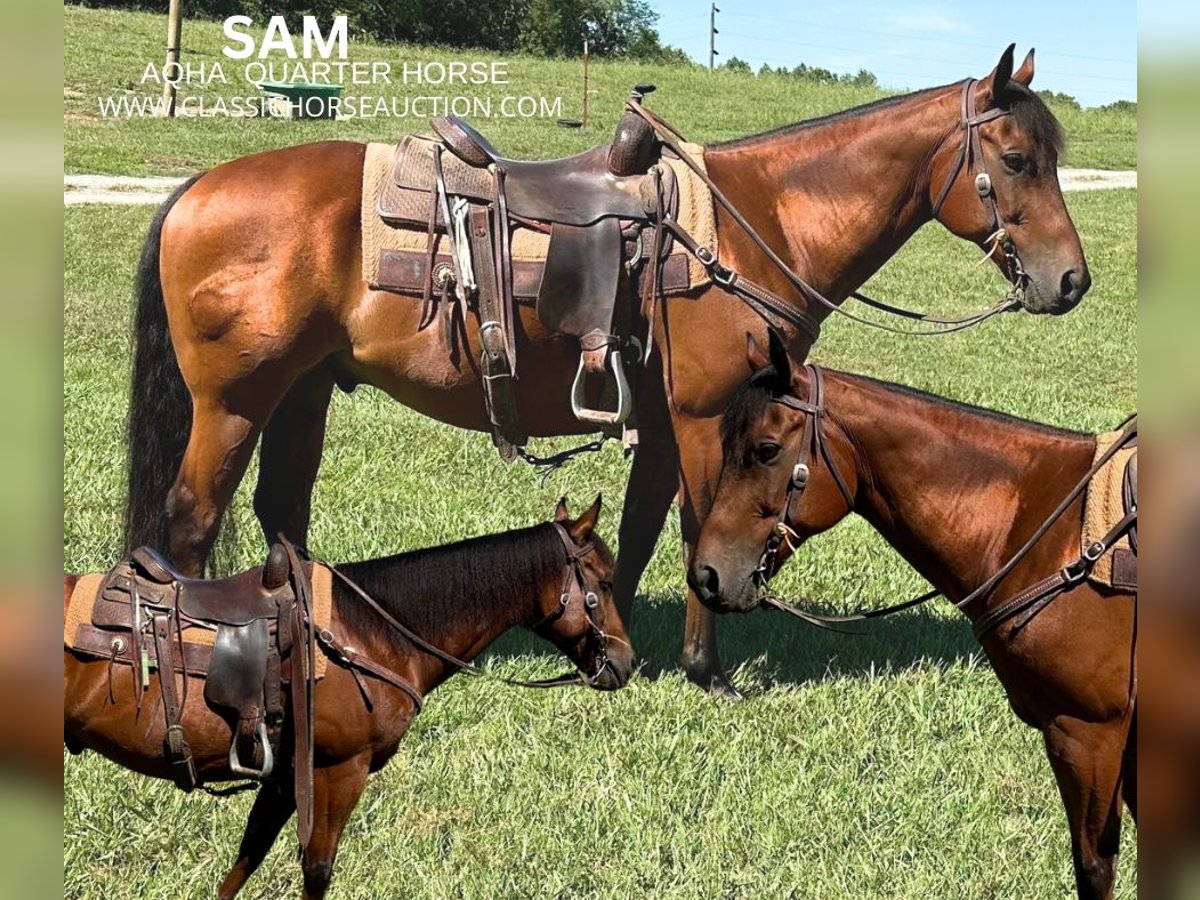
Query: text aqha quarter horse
[958,491]
[251,306]
[458,598]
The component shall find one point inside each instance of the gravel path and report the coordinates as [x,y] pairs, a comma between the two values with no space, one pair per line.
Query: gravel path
[129,190]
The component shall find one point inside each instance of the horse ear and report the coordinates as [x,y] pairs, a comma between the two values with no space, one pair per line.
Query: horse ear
[780,359]
[581,529]
[560,511]
[997,82]
[755,355]
[1024,75]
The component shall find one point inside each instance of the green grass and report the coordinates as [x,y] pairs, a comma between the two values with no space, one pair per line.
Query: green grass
[886,765]
[106,53]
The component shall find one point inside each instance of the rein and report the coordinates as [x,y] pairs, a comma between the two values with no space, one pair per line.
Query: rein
[767,303]
[1030,600]
[573,577]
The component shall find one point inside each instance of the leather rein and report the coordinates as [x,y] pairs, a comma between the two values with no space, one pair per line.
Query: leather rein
[1030,601]
[574,585]
[767,304]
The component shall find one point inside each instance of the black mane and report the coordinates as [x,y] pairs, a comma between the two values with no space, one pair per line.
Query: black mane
[1030,111]
[467,580]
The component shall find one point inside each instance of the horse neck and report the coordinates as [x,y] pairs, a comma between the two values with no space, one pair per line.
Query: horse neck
[955,490]
[850,190]
[453,599]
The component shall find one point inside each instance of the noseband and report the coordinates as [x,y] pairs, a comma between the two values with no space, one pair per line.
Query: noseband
[813,449]
[970,156]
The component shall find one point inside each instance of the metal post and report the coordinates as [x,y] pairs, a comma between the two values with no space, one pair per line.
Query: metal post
[585,83]
[712,36]
[174,37]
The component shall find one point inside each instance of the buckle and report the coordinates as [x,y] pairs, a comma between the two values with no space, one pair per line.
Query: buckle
[800,475]
[1093,551]
[590,600]
[706,256]
[983,184]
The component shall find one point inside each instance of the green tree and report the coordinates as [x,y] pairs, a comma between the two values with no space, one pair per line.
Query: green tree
[612,28]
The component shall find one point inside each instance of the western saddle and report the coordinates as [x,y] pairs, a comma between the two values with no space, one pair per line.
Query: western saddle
[262,640]
[602,210]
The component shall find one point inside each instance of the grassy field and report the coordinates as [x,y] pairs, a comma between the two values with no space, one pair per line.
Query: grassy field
[107,53]
[886,765]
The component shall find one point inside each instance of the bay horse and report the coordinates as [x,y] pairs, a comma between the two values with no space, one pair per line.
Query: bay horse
[956,491]
[250,308]
[459,598]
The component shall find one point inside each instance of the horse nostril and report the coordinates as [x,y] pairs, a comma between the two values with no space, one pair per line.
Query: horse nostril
[707,584]
[1074,284]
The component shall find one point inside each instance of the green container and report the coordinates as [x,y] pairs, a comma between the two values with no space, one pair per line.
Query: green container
[307,101]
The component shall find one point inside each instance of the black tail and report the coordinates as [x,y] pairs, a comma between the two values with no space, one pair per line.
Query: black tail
[160,407]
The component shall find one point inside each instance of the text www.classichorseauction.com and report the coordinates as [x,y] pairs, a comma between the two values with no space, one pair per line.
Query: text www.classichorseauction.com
[277,59]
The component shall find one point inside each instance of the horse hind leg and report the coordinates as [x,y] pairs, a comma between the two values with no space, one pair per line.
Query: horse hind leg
[219,449]
[272,808]
[290,457]
[1087,760]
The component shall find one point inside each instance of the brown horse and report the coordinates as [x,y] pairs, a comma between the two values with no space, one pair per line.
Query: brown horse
[251,307]
[460,598]
[956,490]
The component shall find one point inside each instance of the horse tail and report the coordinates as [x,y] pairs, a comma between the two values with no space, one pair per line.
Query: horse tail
[160,405]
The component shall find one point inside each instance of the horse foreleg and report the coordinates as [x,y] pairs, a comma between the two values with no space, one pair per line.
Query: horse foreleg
[291,456]
[336,790]
[652,486]
[218,451]
[699,467]
[1087,759]
[272,808]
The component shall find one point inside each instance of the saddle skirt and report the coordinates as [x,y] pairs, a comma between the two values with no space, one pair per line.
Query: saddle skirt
[1112,493]
[395,231]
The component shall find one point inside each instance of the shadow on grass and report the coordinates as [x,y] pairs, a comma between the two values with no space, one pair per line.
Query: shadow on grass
[764,649]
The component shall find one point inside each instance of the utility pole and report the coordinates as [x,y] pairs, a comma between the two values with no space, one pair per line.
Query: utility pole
[171,69]
[712,36]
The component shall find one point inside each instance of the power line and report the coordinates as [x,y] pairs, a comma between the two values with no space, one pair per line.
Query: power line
[915,37]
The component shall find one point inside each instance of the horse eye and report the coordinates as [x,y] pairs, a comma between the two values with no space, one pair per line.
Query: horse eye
[767,452]
[1014,162]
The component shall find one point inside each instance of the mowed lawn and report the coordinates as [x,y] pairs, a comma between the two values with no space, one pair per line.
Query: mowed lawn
[883,765]
[106,53]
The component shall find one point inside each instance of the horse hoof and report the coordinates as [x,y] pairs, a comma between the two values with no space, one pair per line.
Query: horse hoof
[716,684]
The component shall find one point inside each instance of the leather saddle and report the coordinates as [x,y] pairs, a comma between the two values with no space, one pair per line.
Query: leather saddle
[239,633]
[600,210]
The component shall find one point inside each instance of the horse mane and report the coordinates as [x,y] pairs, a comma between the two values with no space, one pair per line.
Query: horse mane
[1029,110]
[750,400]
[464,581]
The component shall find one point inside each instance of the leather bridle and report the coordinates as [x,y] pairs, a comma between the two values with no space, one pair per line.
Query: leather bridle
[575,584]
[1029,602]
[813,450]
[970,157]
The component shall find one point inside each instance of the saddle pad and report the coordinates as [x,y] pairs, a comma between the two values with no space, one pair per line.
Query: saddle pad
[695,214]
[87,588]
[1104,505]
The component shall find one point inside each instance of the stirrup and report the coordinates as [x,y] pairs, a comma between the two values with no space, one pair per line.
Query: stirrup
[600,416]
[268,765]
